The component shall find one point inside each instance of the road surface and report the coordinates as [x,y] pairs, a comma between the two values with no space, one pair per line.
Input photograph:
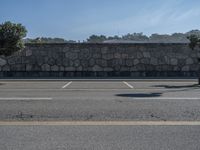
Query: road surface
[99,114]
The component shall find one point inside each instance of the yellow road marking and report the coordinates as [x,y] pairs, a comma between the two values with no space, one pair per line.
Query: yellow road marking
[99,123]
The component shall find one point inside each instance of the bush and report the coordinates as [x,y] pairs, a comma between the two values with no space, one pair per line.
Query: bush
[194,40]
[11,36]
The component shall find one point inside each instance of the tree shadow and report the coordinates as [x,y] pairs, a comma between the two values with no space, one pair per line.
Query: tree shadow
[177,86]
[172,87]
[2,84]
[140,95]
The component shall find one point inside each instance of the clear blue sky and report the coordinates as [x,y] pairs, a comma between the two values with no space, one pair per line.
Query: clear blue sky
[77,19]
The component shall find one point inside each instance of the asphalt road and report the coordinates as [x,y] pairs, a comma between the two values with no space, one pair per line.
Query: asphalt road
[100,138]
[100,100]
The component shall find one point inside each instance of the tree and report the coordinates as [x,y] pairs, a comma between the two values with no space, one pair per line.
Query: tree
[11,36]
[194,41]
[96,39]
[135,37]
[44,40]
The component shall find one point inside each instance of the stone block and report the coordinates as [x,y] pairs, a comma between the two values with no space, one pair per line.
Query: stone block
[167,67]
[104,50]
[73,56]
[150,68]
[51,61]
[129,62]
[194,67]
[108,69]
[174,61]
[71,63]
[97,68]
[162,61]
[66,48]
[54,68]
[139,55]
[117,68]
[65,62]
[92,62]
[146,54]
[58,61]
[40,60]
[55,56]
[80,68]
[2,62]
[141,67]
[189,61]
[28,67]
[61,68]
[145,61]
[186,68]
[24,60]
[117,55]
[181,62]
[5,68]
[136,61]
[67,54]
[18,67]
[28,52]
[107,56]
[76,63]
[36,67]
[176,68]
[45,67]
[84,63]
[96,55]
[125,68]
[153,61]
[70,69]
[134,68]
[85,54]
[102,63]
[124,56]
[114,62]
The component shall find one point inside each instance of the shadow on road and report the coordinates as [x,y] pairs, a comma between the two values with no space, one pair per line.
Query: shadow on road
[178,87]
[140,95]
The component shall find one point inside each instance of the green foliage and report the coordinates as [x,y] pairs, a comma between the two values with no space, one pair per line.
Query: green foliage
[135,37]
[11,36]
[140,37]
[96,39]
[194,40]
[47,40]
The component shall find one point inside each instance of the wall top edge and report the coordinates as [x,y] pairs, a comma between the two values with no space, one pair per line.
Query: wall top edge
[27,44]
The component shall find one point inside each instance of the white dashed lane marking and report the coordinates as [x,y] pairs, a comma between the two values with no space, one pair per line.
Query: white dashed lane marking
[130,86]
[66,85]
[26,98]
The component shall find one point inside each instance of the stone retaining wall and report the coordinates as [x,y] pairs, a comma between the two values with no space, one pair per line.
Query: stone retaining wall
[102,60]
